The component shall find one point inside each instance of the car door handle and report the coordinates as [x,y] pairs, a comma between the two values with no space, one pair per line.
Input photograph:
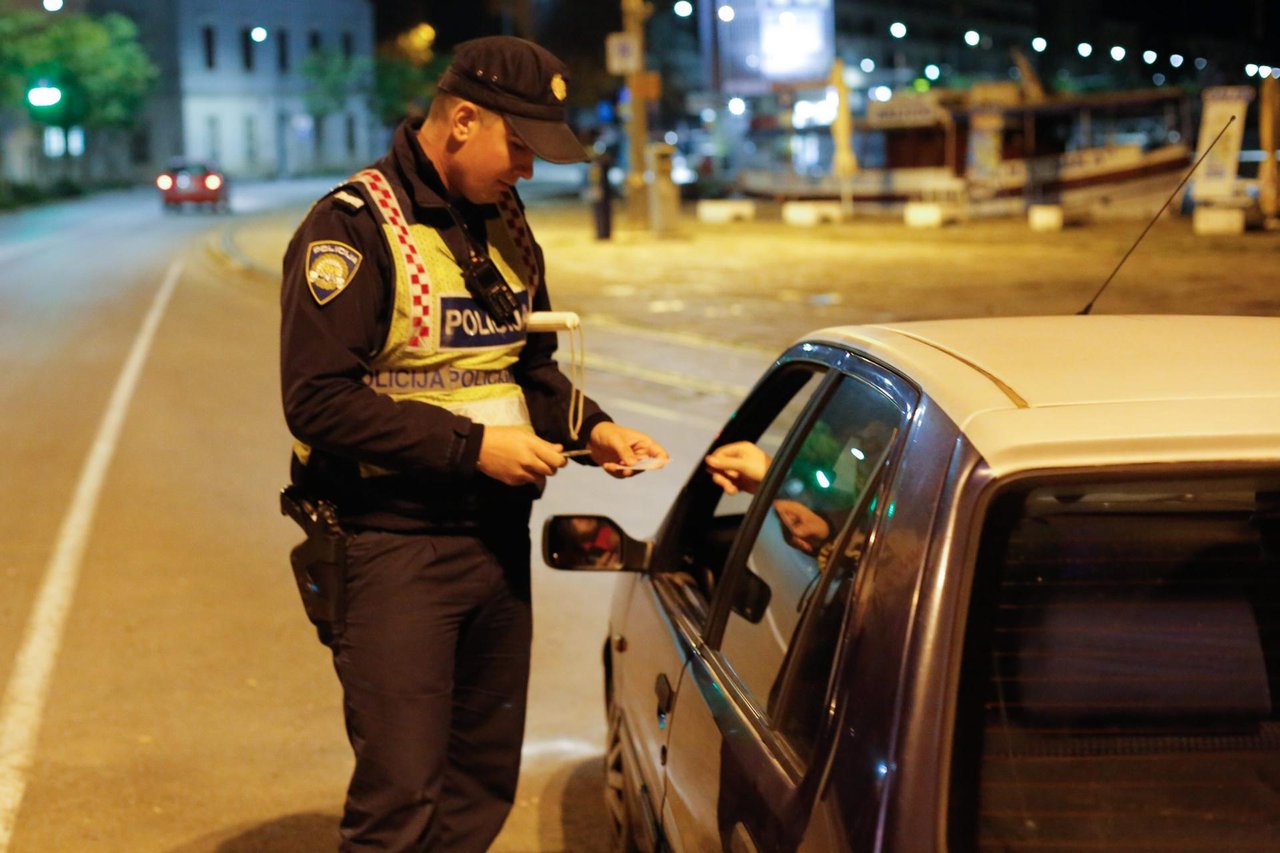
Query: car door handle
[662,687]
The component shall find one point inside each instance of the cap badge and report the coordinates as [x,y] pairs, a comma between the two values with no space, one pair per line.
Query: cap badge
[559,88]
[330,267]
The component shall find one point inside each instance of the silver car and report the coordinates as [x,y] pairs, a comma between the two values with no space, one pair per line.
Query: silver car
[1002,584]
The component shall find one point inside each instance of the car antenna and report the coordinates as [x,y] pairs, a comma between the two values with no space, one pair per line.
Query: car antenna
[1083,311]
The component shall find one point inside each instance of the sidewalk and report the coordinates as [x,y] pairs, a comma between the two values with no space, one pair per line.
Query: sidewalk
[762,284]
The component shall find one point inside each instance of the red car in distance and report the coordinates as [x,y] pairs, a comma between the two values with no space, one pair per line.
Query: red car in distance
[197,183]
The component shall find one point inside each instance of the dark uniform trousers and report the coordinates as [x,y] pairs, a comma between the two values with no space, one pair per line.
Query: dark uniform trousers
[433,657]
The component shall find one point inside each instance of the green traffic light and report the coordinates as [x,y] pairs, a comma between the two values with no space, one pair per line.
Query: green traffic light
[44,96]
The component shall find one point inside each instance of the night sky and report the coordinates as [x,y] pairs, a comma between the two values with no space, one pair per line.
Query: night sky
[458,20]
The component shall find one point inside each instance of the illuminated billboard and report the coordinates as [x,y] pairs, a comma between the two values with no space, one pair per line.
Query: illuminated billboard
[763,42]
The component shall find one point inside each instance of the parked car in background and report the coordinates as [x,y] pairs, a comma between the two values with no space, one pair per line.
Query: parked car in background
[1006,584]
[195,183]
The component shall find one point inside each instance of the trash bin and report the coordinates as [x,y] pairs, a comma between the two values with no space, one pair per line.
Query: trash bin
[664,195]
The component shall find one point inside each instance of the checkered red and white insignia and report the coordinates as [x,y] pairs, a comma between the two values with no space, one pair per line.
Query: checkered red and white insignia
[419,282]
[513,219]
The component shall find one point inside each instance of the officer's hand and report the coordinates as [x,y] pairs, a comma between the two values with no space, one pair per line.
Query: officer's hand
[614,448]
[516,456]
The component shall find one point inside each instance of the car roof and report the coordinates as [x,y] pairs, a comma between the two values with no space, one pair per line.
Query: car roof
[1050,392]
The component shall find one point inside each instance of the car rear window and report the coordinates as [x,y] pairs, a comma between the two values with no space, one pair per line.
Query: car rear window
[1121,677]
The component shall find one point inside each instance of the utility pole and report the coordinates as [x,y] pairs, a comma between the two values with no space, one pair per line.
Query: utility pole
[634,15]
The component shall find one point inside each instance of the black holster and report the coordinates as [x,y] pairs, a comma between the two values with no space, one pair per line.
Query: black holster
[320,561]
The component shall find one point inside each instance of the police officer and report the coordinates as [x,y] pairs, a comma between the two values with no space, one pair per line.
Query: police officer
[424,412]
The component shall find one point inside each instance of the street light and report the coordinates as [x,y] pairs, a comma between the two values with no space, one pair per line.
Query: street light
[258,34]
[1038,44]
[972,38]
[737,106]
[1084,49]
[1117,53]
[1149,57]
[52,5]
[867,65]
[933,72]
[44,95]
[726,13]
[898,30]
[1176,60]
[683,9]
[1251,70]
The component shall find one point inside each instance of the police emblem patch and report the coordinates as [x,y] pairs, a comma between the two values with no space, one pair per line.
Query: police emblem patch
[330,267]
[559,88]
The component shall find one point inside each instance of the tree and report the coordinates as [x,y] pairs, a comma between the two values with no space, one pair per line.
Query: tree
[331,78]
[99,66]
[406,69]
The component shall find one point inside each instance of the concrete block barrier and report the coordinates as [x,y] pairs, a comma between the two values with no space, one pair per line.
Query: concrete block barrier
[722,210]
[807,214]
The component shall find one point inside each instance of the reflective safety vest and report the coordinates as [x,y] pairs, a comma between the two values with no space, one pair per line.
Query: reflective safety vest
[442,347]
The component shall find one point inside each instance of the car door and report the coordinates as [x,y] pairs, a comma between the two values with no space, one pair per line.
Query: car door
[669,608]
[753,718]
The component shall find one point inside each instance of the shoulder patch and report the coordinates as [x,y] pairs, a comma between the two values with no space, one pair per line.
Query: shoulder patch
[349,200]
[330,267]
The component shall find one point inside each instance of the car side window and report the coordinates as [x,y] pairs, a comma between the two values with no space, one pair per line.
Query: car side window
[709,518]
[1121,669]
[788,600]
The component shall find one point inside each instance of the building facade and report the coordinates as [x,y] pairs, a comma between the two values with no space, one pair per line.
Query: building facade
[231,90]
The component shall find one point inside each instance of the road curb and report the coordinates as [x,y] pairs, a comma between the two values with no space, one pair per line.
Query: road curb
[221,245]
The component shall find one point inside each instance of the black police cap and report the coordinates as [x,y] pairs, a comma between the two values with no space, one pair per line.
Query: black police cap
[524,83]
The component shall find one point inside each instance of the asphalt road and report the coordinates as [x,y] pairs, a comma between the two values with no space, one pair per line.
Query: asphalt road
[163,691]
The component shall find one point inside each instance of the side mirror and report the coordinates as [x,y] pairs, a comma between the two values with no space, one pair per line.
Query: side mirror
[591,543]
[751,598]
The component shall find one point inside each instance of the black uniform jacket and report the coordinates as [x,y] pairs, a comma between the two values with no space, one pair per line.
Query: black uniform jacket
[325,352]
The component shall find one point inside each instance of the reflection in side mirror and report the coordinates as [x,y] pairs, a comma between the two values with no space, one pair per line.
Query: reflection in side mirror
[591,543]
[751,599]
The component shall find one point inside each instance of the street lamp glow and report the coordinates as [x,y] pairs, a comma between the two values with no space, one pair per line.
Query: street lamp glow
[1117,53]
[1084,49]
[1157,78]
[1201,63]
[1038,44]
[898,30]
[1264,71]
[52,5]
[258,34]
[683,9]
[44,96]
[737,106]
[726,13]
[1149,57]
[881,93]
[933,72]
[1251,70]
[972,38]
[867,65]
[1176,60]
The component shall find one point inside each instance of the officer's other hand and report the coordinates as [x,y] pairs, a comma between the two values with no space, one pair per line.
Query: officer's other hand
[517,457]
[614,447]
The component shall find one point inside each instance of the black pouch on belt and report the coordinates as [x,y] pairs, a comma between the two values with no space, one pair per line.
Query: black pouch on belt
[319,562]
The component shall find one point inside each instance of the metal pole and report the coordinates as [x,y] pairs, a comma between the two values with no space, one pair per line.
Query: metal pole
[634,14]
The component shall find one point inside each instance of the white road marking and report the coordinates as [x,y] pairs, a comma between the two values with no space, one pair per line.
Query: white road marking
[23,706]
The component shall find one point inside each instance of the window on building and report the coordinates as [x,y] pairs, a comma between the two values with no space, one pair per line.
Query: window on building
[210,48]
[75,141]
[351,135]
[246,48]
[348,46]
[140,145]
[213,131]
[282,50]
[313,40]
[55,142]
[250,140]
